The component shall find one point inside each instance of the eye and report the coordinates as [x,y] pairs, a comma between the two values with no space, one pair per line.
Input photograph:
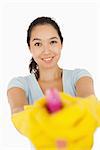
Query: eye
[53,42]
[37,44]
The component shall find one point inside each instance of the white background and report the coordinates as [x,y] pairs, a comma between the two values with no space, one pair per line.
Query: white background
[80,25]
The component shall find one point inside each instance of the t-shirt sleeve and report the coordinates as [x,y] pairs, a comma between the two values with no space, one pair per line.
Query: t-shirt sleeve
[19,82]
[78,73]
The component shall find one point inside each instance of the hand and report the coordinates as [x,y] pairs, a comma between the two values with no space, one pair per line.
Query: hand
[70,116]
[28,126]
[72,124]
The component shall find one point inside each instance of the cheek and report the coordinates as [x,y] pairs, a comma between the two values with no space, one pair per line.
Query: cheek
[34,52]
[57,55]
[57,49]
[35,55]
[57,52]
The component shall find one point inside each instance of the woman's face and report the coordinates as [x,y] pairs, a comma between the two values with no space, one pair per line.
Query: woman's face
[45,45]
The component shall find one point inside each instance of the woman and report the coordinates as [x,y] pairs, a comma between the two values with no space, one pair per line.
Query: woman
[45,43]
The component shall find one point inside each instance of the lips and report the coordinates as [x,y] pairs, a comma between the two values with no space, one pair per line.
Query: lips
[48,59]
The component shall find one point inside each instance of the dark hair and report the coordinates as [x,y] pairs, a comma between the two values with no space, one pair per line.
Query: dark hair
[33,67]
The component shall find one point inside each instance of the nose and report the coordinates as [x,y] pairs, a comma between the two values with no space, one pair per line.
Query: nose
[46,49]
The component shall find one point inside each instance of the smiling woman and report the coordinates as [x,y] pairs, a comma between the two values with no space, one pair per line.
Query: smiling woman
[45,46]
[45,43]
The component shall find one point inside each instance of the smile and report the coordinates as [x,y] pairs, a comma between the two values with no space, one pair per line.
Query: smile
[49,59]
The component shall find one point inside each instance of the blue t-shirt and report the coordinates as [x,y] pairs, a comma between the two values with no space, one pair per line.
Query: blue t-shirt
[33,91]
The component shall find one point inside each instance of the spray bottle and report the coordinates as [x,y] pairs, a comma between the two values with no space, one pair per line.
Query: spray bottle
[54,104]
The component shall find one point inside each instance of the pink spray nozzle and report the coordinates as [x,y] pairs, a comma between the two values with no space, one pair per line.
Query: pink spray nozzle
[53,100]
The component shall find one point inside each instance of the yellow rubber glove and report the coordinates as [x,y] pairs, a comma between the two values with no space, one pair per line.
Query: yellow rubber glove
[74,124]
[26,123]
[92,104]
[28,126]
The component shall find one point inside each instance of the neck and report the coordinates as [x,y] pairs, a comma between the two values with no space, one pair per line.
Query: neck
[50,74]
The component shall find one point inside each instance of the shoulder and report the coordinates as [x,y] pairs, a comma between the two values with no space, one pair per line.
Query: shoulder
[84,83]
[76,74]
[20,82]
[79,73]
[76,71]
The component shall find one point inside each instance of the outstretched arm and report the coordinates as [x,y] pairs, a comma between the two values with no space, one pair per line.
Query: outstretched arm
[84,87]
[17,99]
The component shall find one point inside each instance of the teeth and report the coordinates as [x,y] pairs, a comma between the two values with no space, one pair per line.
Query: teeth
[47,58]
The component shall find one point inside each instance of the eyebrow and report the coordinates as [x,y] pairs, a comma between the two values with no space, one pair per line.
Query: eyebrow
[53,38]
[35,39]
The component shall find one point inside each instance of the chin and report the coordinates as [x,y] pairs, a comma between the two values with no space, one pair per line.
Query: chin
[49,66]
